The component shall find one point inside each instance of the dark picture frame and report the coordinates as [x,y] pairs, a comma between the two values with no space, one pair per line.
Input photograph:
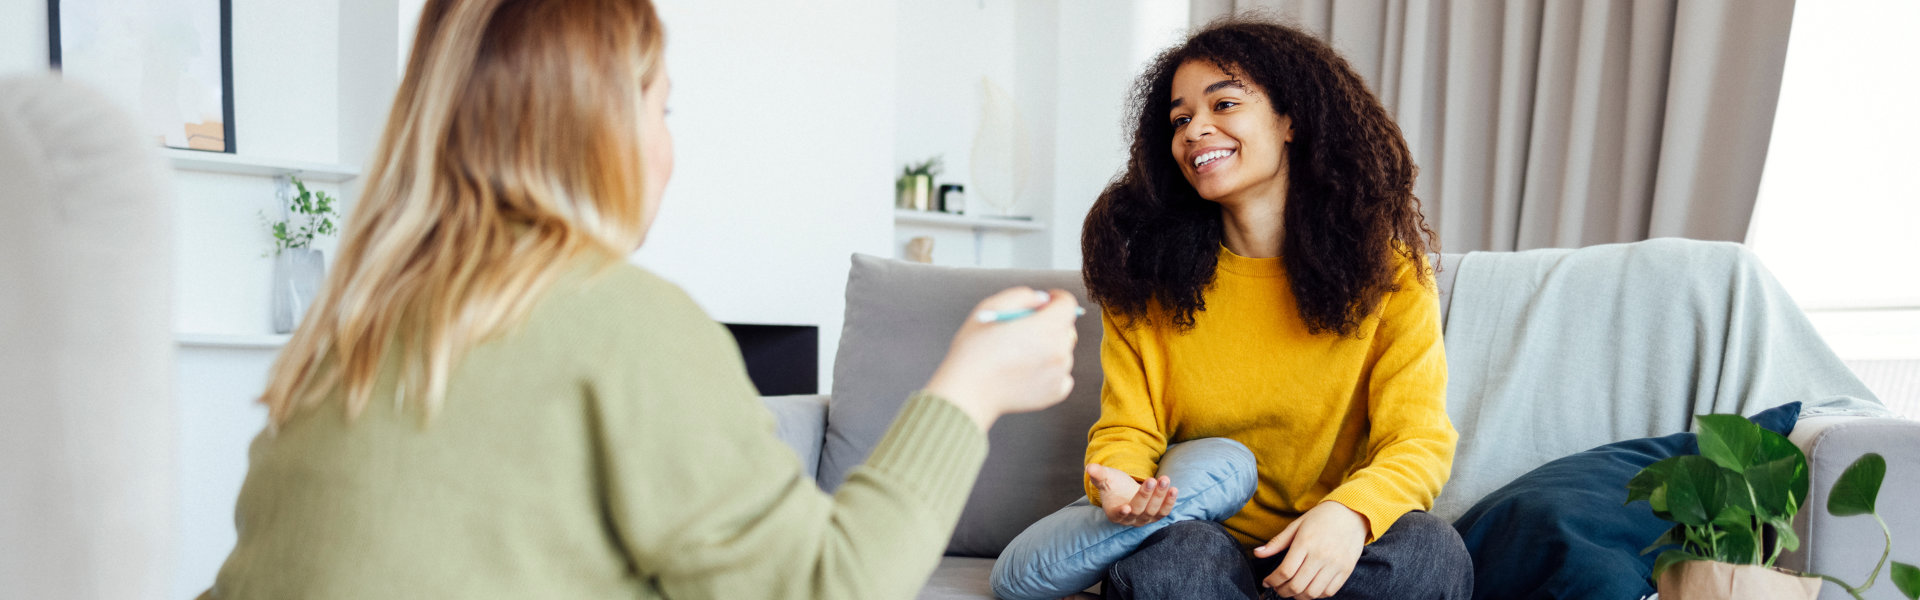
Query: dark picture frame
[193,135]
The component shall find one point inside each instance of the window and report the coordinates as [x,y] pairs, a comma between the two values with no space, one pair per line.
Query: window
[1838,215]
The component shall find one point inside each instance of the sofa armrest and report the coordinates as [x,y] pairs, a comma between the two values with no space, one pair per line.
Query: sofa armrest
[801,422]
[1848,547]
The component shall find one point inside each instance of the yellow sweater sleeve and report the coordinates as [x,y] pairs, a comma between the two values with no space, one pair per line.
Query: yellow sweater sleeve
[1411,441]
[1130,435]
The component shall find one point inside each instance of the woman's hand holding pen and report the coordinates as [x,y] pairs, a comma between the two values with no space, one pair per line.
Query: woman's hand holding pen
[1017,358]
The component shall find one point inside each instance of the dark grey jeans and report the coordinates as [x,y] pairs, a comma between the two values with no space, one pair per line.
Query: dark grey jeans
[1419,558]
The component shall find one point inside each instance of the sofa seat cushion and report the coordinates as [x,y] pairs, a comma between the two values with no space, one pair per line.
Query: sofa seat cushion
[959,578]
[801,422]
[1563,529]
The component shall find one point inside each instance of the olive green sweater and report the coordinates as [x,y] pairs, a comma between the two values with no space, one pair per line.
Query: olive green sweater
[609,447]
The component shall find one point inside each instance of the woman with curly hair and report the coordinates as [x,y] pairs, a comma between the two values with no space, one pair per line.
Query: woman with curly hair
[1262,265]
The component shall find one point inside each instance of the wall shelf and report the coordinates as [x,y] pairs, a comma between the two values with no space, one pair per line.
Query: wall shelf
[975,222]
[231,341]
[980,225]
[232,164]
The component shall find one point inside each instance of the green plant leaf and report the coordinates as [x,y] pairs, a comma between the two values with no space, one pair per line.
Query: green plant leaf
[1858,487]
[1651,478]
[1773,486]
[1907,578]
[1774,446]
[1738,497]
[1731,515]
[1675,536]
[1730,441]
[1738,546]
[1782,527]
[1658,501]
[1671,558]
[1697,492]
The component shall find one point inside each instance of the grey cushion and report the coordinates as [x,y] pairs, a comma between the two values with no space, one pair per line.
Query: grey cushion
[900,319]
[801,422]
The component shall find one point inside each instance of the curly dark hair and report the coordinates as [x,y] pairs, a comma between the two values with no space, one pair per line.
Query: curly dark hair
[1150,238]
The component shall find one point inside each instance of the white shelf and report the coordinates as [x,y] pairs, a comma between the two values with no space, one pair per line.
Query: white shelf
[234,341]
[233,164]
[976,223]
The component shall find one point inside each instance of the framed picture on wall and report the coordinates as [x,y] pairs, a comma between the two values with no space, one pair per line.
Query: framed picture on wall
[170,62]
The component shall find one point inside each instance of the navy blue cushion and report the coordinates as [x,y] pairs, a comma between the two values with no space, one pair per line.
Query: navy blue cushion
[1561,531]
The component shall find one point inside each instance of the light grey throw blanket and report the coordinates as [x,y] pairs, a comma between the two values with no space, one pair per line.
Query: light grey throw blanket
[1552,352]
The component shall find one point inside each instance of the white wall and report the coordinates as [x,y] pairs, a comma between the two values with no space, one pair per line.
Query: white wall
[1103,47]
[783,128]
[1037,84]
[945,52]
[1069,65]
[23,36]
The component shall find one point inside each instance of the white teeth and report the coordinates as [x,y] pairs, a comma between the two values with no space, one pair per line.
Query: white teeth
[1203,159]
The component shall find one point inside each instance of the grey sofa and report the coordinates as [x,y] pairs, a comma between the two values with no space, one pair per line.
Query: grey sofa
[901,316]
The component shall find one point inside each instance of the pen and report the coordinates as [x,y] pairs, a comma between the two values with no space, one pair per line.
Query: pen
[996,316]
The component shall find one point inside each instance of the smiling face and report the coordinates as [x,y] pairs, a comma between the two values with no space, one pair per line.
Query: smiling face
[1228,141]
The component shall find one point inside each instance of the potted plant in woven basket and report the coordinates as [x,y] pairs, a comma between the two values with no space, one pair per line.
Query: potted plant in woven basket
[1733,505]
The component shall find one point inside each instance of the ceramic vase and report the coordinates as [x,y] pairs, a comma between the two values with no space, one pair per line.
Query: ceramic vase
[296,281]
[916,192]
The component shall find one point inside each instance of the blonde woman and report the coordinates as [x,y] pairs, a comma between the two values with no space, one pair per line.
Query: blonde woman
[488,402]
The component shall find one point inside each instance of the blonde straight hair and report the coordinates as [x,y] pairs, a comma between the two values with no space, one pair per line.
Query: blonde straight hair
[512,148]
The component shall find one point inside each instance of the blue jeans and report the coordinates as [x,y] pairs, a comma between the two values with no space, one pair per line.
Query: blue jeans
[1419,558]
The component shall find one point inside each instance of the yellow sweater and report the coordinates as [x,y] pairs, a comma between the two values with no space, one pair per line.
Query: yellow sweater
[1360,420]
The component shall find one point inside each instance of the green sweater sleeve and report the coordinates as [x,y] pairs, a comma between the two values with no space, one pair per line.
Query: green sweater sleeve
[708,503]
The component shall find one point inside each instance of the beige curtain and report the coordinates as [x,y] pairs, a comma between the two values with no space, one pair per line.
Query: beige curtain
[1565,123]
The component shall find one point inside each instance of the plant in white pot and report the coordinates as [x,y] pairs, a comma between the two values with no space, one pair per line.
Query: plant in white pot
[297,267]
[1733,505]
[915,186]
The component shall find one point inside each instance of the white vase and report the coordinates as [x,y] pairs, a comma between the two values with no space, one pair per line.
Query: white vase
[296,281]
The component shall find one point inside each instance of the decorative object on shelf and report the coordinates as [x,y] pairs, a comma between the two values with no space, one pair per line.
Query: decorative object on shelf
[1002,163]
[168,61]
[1733,506]
[298,268]
[920,250]
[915,187]
[953,198]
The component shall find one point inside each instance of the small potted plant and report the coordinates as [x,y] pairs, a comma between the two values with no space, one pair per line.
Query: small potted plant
[297,266]
[1733,505]
[915,187]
